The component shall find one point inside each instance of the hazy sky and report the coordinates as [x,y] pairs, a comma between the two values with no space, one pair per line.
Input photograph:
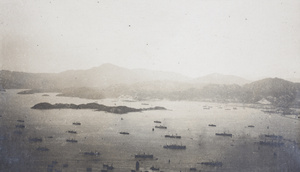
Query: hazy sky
[239,37]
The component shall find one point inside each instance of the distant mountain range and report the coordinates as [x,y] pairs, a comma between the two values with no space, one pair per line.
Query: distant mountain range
[221,79]
[110,81]
[104,76]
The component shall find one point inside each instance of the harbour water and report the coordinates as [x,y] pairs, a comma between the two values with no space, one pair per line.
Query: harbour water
[100,132]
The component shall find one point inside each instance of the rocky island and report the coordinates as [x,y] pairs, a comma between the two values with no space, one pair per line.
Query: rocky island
[95,106]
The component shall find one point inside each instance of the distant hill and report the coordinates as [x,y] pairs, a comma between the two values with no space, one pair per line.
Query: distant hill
[221,79]
[275,90]
[100,77]
[110,81]
[17,80]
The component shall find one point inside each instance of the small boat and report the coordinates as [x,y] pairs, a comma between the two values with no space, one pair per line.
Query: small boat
[212,125]
[92,153]
[20,120]
[154,169]
[76,123]
[193,169]
[145,104]
[72,132]
[174,146]
[42,149]
[35,139]
[274,144]
[72,140]
[173,136]
[157,121]
[213,164]
[20,126]
[161,127]
[126,133]
[143,156]
[109,167]
[224,134]
[251,126]
[273,136]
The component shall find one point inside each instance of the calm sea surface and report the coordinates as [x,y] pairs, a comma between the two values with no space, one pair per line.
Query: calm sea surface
[99,131]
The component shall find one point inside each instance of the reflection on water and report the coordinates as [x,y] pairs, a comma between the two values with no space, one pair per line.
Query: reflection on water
[41,145]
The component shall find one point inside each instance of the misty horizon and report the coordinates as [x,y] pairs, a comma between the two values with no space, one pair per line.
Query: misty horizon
[250,78]
[253,39]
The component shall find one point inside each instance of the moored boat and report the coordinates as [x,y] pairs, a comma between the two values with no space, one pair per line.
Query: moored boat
[174,146]
[144,156]
[224,134]
[161,127]
[72,140]
[92,153]
[125,133]
[72,132]
[173,136]
[213,163]
[76,123]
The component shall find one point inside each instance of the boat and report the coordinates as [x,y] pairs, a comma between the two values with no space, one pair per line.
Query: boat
[251,126]
[145,104]
[72,140]
[193,169]
[144,156]
[109,167]
[161,127]
[273,136]
[224,134]
[42,149]
[173,136]
[213,163]
[174,146]
[72,132]
[268,143]
[76,123]
[20,126]
[20,120]
[212,125]
[35,139]
[154,169]
[92,153]
[157,121]
[126,133]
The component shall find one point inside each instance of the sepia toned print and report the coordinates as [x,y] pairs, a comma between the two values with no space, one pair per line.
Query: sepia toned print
[149,85]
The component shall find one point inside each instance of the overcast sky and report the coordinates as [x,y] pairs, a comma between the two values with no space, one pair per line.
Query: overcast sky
[248,38]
